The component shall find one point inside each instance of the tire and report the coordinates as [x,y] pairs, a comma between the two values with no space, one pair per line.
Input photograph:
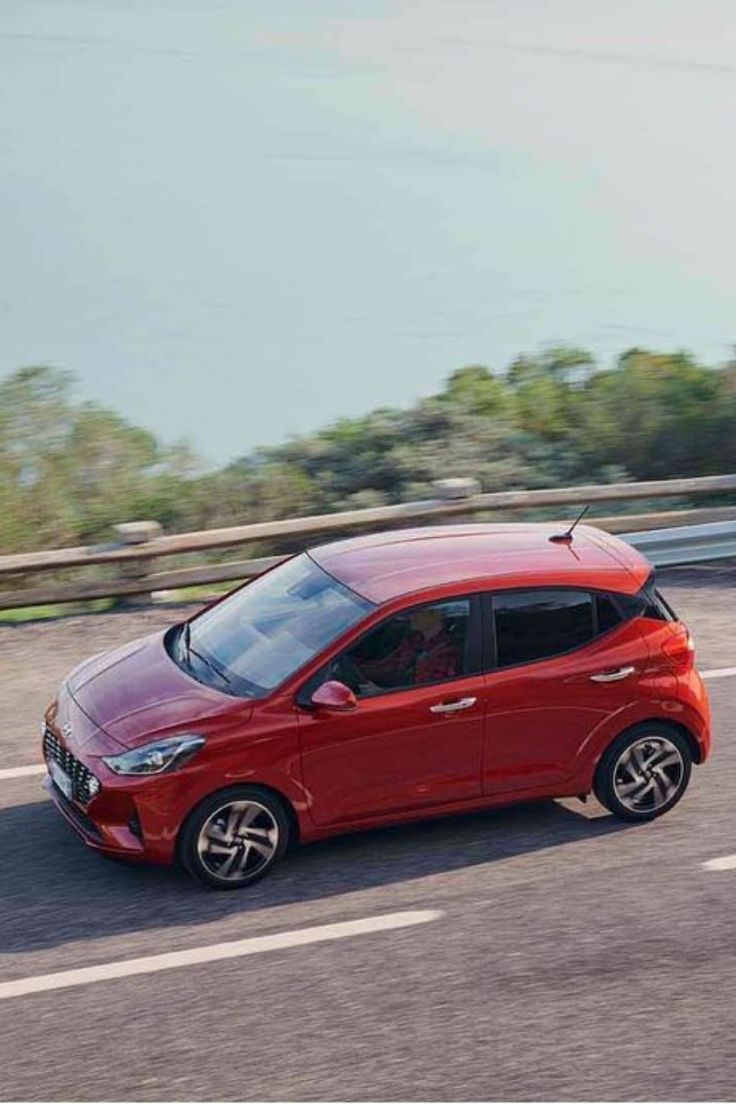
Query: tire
[644,772]
[234,837]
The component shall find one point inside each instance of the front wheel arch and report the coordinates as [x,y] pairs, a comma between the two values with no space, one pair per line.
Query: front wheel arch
[271,791]
[287,807]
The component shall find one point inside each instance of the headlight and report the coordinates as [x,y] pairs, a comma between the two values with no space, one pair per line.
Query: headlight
[163,755]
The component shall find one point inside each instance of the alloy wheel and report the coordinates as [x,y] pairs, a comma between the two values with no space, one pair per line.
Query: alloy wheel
[648,774]
[238,840]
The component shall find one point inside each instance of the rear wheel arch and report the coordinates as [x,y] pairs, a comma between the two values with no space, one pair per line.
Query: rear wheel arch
[684,730]
[696,753]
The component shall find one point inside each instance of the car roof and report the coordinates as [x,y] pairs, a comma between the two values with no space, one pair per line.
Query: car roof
[385,566]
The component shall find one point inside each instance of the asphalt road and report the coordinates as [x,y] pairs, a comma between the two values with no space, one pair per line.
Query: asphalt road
[573,957]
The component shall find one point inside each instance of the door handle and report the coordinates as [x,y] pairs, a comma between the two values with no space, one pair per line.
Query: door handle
[613,676]
[454,706]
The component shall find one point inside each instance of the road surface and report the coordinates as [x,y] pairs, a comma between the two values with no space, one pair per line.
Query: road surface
[538,952]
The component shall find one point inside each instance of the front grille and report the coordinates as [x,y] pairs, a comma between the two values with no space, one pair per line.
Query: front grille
[84,783]
[83,823]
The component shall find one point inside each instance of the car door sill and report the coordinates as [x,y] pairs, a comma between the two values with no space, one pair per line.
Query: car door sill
[449,808]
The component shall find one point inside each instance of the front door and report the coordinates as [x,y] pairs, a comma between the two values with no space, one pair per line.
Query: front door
[415,737]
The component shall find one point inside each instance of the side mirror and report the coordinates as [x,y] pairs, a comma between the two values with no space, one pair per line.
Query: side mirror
[334,695]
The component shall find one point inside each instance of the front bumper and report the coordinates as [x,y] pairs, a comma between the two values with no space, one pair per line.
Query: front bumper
[132,818]
[110,838]
[128,818]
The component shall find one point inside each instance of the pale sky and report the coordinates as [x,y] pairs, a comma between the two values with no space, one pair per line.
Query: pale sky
[235,221]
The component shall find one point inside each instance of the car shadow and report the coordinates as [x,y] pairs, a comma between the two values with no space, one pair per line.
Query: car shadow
[54,890]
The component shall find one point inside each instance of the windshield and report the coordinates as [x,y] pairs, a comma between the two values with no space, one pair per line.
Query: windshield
[259,636]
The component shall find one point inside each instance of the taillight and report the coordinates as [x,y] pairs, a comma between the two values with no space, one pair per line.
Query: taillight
[679,648]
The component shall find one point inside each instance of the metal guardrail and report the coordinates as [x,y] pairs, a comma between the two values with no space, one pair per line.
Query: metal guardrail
[686,544]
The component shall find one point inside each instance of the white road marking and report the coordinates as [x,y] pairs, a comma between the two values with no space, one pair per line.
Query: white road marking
[215,952]
[727,862]
[22,772]
[719,672]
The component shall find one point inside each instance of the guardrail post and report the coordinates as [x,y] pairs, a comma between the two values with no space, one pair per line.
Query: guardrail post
[131,533]
[456,489]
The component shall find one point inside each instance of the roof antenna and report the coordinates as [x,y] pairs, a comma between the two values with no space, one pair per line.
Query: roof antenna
[566,538]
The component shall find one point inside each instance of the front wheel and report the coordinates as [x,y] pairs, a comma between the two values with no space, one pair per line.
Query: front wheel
[644,772]
[234,837]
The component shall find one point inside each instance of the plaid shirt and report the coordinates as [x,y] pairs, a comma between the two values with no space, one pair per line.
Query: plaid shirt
[416,661]
[440,660]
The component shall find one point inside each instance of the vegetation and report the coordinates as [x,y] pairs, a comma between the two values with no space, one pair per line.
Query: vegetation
[69,470]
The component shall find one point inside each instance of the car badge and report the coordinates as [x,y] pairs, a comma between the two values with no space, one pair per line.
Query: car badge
[66,729]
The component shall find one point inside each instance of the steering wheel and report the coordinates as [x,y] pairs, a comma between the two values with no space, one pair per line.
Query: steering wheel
[347,670]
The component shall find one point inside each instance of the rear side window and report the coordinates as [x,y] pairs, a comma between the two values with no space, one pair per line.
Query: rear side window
[537,624]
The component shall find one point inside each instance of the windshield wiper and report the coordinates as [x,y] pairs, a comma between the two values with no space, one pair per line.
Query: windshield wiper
[190,651]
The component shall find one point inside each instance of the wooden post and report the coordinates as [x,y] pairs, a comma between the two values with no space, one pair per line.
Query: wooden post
[131,533]
[455,490]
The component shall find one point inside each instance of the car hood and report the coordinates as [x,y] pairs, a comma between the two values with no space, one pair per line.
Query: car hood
[137,692]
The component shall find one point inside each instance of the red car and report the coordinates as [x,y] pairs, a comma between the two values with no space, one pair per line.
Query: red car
[382,679]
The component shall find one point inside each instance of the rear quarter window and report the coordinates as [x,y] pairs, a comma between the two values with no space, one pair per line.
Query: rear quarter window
[648,602]
[658,606]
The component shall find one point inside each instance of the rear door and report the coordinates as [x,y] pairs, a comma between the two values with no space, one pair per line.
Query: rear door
[561,660]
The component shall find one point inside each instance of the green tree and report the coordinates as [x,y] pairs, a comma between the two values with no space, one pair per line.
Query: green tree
[70,470]
[661,415]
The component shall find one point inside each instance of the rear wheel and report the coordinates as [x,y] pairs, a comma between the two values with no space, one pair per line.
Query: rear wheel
[644,772]
[234,837]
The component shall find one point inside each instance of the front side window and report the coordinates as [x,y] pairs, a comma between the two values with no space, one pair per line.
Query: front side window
[537,624]
[419,646]
[257,637]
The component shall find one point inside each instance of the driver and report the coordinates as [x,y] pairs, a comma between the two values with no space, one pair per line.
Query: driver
[394,668]
[426,653]
[439,657]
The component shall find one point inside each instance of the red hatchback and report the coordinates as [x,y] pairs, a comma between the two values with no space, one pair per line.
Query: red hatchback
[387,678]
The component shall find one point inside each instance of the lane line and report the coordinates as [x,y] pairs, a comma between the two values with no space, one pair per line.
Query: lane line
[727,862]
[195,956]
[22,772]
[718,672]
